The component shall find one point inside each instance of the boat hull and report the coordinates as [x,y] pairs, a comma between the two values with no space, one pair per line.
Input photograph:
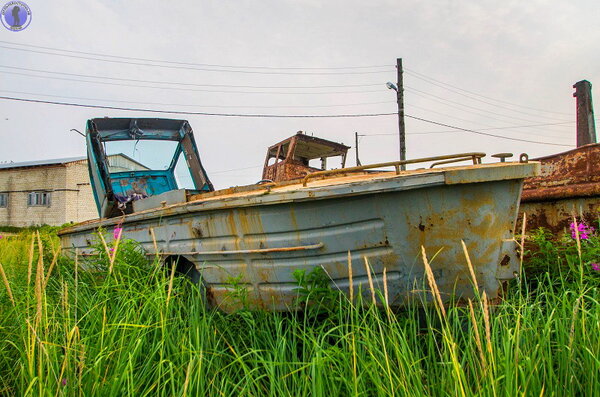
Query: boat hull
[257,242]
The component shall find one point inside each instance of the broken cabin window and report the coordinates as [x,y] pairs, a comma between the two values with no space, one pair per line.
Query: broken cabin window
[139,155]
[38,199]
[183,174]
[3,200]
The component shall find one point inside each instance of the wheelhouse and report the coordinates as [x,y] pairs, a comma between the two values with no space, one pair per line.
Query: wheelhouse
[133,159]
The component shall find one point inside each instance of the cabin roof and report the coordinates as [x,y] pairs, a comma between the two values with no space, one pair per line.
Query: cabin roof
[116,129]
[311,147]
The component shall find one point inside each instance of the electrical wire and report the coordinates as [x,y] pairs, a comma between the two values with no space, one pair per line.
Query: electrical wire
[187,84]
[234,169]
[559,133]
[198,113]
[426,78]
[204,69]
[479,129]
[440,99]
[191,89]
[489,126]
[270,116]
[545,135]
[196,64]
[482,133]
[198,105]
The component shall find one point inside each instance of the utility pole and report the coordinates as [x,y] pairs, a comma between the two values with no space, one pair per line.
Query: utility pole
[399,88]
[400,100]
[356,147]
[586,128]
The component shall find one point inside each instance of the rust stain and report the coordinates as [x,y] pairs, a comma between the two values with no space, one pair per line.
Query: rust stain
[558,214]
[569,185]
[574,173]
[250,222]
[197,232]
[233,228]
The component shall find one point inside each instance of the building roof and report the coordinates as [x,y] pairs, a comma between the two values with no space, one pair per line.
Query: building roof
[38,163]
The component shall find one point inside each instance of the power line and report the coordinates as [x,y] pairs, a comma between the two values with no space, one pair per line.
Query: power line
[560,133]
[234,169]
[426,78]
[187,84]
[196,64]
[489,126]
[212,106]
[495,105]
[545,135]
[190,89]
[196,105]
[479,129]
[204,69]
[483,133]
[473,107]
[269,116]
[197,113]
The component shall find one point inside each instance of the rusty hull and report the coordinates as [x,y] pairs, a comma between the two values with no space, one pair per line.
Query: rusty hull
[568,185]
[260,237]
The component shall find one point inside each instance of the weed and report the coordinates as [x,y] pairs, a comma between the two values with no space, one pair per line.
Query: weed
[314,290]
[84,330]
[237,293]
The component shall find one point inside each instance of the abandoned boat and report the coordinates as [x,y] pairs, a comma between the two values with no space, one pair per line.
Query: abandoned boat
[258,235]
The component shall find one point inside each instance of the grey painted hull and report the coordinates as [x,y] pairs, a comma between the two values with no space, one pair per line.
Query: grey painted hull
[260,238]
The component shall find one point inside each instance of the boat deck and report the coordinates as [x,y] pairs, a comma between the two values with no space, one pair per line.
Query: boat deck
[336,182]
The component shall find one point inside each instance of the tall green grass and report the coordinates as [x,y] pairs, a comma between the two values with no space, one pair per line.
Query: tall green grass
[128,329]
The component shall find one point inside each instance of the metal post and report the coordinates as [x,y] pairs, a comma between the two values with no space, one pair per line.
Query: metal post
[586,128]
[400,99]
[356,146]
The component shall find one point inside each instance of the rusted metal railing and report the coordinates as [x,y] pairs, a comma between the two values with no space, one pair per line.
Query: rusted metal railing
[446,159]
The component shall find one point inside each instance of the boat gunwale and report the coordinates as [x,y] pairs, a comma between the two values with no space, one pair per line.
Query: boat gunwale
[283,192]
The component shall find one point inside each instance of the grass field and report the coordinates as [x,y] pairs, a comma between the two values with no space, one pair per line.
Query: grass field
[126,329]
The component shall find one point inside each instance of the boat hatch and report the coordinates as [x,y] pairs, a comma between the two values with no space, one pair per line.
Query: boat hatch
[132,159]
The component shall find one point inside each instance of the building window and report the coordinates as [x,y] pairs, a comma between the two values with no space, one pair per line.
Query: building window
[3,200]
[38,199]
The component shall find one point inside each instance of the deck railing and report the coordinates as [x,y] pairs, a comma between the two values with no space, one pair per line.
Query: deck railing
[446,159]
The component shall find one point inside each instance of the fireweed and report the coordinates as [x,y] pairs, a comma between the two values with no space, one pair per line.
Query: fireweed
[582,229]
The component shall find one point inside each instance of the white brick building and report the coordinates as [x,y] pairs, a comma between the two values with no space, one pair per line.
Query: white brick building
[51,192]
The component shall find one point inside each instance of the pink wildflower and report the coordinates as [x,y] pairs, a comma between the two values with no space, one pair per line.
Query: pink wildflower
[117,232]
[582,229]
[596,267]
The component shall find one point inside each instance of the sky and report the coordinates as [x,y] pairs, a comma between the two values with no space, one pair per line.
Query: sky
[503,68]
